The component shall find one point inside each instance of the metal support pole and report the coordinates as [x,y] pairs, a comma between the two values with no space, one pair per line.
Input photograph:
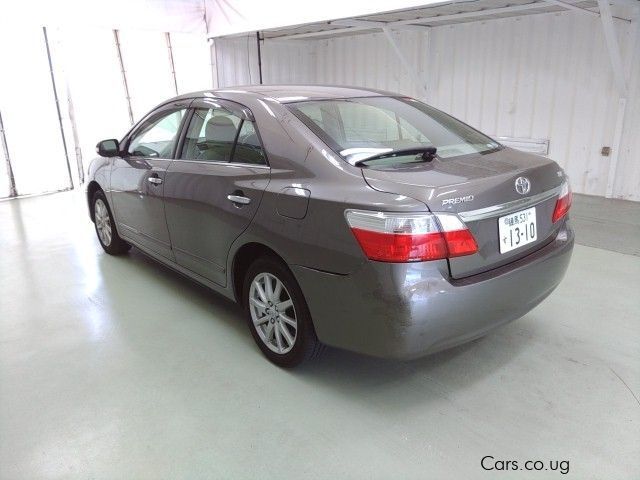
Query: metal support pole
[76,140]
[612,46]
[405,62]
[213,53]
[167,35]
[615,149]
[259,57]
[615,57]
[55,96]
[116,37]
[5,149]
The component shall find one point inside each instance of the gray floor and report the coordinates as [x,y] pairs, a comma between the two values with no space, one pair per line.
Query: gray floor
[118,368]
[607,223]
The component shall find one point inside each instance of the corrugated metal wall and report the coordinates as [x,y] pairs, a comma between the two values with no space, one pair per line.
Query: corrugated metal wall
[282,62]
[627,180]
[540,76]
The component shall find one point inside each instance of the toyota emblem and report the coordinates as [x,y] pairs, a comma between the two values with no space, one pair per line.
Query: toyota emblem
[523,185]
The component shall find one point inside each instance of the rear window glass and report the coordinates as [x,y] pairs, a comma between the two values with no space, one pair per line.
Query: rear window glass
[358,128]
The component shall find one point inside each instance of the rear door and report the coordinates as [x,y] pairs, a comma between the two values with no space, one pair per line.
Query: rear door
[213,188]
[137,179]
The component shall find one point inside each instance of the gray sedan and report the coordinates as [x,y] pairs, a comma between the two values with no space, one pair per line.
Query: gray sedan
[360,219]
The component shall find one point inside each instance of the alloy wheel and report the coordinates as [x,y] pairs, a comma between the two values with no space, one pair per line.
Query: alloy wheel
[273,313]
[103,222]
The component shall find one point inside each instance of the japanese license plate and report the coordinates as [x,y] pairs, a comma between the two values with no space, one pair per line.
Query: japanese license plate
[517,229]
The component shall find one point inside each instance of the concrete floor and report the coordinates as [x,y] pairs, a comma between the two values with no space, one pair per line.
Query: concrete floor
[119,368]
[607,223]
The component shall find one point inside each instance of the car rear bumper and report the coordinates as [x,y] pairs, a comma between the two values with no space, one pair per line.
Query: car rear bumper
[408,310]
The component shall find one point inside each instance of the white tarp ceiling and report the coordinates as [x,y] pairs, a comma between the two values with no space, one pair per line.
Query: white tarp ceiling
[229,17]
[186,16]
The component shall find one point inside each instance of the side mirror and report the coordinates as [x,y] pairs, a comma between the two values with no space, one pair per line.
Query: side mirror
[108,148]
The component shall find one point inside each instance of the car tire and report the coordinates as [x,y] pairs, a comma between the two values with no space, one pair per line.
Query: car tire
[271,323]
[105,226]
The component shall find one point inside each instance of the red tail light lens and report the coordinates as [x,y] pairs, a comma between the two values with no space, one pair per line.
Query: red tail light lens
[460,243]
[394,247]
[563,204]
[400,237]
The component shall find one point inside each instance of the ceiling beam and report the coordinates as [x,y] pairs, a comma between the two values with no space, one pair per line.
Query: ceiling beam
[357,25]
[368,24]
[320,33]
[409,66]
[414,22]
[570,6]
[472,14]
[354,22]
[626,3]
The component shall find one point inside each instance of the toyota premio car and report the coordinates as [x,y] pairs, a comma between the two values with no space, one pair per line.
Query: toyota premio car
[355,218]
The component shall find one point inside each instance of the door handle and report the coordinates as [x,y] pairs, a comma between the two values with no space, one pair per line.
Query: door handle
[239,199]
[155,180]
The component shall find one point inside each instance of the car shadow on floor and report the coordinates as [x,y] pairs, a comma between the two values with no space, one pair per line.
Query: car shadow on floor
[357,377]
[160,279]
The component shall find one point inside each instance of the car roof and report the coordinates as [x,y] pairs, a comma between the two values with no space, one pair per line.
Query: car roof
[291,93]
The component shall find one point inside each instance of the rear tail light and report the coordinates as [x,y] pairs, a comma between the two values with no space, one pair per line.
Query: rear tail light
[563,204]
[410,237]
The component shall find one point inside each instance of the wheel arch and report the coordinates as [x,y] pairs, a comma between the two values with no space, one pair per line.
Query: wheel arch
[92,188]
[243,258]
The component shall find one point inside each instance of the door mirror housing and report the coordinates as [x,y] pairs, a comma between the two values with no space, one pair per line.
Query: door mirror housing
[108,148]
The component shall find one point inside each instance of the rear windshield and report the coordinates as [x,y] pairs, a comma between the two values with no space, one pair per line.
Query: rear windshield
[359,128]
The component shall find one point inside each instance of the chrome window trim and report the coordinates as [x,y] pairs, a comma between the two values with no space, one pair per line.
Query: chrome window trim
[508,207]
[229,164]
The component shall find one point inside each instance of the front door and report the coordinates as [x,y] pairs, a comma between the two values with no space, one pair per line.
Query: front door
[213,188]
[137,180]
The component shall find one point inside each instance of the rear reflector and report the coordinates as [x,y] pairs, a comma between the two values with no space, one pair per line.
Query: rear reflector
[563,204]
[409,237]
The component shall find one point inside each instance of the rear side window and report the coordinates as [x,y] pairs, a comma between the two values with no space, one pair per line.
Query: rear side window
[211,135]
[218,135]
[248,147]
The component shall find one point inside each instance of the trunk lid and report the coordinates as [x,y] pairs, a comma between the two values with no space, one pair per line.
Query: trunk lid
[480,189]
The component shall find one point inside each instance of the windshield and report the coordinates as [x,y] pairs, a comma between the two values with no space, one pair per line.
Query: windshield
[360,128]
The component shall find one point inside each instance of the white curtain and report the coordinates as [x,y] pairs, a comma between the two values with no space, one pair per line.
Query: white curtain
[89,78]
[29,113]
[160,15]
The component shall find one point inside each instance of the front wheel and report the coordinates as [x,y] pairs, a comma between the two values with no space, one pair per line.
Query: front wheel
[105,226]
[278,315]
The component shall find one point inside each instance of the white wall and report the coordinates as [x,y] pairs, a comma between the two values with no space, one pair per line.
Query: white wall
[627,180]
[537,76]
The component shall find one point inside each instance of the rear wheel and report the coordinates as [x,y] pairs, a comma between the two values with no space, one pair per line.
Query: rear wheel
[105,226]
[278,315]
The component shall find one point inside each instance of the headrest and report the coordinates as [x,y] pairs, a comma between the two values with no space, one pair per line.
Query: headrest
[220,128]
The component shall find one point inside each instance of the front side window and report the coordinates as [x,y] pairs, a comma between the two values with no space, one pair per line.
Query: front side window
[218,135]
[157,137]
[361,128]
